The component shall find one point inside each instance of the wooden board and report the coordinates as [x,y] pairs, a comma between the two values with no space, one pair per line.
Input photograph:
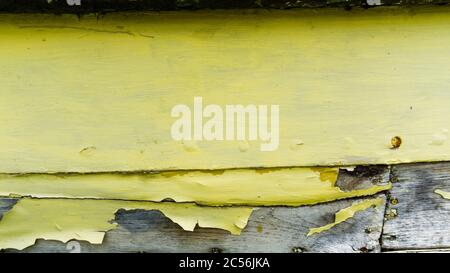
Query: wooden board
[262,187]
[89,99]
[269,230]
[417,223]
[95,94]
[422,216]
[314,186]
[104,6]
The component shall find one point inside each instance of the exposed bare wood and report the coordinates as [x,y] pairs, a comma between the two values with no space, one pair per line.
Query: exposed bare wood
[417,217]
[416,220]
[6,204]
[278,229]
[430,250]
[248,187]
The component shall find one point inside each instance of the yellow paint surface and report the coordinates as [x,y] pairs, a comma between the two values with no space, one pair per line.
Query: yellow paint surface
[285,186]
[442,193]
[347,213]
[94,95]
[66,219]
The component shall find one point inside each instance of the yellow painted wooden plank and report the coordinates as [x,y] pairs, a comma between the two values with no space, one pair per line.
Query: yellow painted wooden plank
[88,95]
[291,187]
[66,219]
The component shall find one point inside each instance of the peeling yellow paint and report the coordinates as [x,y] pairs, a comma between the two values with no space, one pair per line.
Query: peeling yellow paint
[327,174]
[347,213]
[66,219]
[279,186]
[81,95]
[442,193]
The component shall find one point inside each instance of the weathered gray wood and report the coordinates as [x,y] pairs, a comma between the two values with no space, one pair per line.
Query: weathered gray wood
[431,250]
[421,219]
[417,220]
[270,229]
[6,204]
[362,177]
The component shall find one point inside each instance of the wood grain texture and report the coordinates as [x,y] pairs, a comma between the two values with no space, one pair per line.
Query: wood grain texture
[416,220]
[431,250]
[87,219]
[95,94]
[81,95]
[268,187]
[269,230]
[421,217]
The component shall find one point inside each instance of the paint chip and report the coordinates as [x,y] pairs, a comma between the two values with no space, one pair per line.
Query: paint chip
[88,151]
[347,213]
[443,194]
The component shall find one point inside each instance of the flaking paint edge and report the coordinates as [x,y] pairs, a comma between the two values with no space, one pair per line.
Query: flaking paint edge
[267,187]
[347,213]
[89,220]
[443,194]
